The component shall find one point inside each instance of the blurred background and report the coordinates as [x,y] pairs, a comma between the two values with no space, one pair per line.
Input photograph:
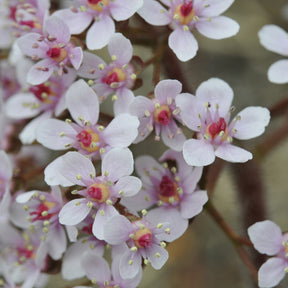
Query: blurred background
[204,257]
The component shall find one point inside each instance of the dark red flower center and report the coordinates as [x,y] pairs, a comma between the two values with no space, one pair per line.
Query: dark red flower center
[186,9]
[216,127]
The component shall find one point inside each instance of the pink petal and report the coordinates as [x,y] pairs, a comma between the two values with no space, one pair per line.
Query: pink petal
[117,230]
[183,44]
[125,98]
[118,162]
[216,91]
[77,168]
[266,237]
[193,203]
[82,102]
[103,215]
[215,8]
[177,224]
[121,131]
[252,123]
[21,106]
[167,89]
[55,27]
[96,268]
[49,131]
[90,63]
[151,12]
[128,271]
[271,272]
[36,75]
[56,242]
[28,134]
[76,57]
[277,72]
[53,175]
[139,105]
[274,38]
[130,185]
[233,153]
[121,47]
[76,22]
[124,9]
[156,261]
[219,27]
[74,212]
[100,33]
[198,152]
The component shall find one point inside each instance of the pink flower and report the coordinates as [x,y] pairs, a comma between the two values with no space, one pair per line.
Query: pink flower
[53,47]
[40,213]
[143,239]
[275,39]
[183,16]
[19,18]
[267,238]
[208,114]
[173,190]
[103,12]
[160,113]
[88,137]
[99,193]
[116,78]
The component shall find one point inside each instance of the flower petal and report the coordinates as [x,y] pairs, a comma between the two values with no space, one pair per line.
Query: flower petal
[277,72]
[233,153]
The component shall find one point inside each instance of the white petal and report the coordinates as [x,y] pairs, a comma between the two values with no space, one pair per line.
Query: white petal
[277,72]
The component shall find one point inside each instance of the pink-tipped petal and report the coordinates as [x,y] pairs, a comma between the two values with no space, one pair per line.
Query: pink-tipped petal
[277,72]
[74,212]
[266,237]
[118,163]
[183,44]
[218,27]
[193,203]
[198,152]
[233,153]
[82,102]
[252,123]
[100,33]
[274,38]
[121,131]
[128,185]
[121,47]
[271,272]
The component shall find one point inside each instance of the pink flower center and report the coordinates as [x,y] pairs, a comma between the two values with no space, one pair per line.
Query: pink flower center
[41,213]
[162,115]
[97,5]
[184,13]
[89,140]
[115,76]
[98,192]
[168,190]
[25,253]
[42,92]
[143,238]
[12,14]
[57,54]
[216,128]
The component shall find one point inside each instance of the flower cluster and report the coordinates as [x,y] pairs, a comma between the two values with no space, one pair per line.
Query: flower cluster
[55,84]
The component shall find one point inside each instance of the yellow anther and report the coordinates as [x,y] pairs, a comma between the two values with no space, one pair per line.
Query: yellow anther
[134,249]
[159,225]
[78,177]
[130,262]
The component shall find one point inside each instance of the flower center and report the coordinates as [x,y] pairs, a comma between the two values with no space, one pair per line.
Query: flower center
[162,114]
[142,238]
[31,24]
[168,190]
[184,13]
[25,253]
[116,75]
[41,213]
[98,5]
[217,128]
[89,140]
[42,92]
[57,54]
[98,192]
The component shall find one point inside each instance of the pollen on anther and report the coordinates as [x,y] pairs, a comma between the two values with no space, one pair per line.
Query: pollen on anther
[159,225]
[130,262]
[61,134]
[134,249]
[102,212]
[78,177]
[157,255]
[90,82]
[144,212]
[114,57]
